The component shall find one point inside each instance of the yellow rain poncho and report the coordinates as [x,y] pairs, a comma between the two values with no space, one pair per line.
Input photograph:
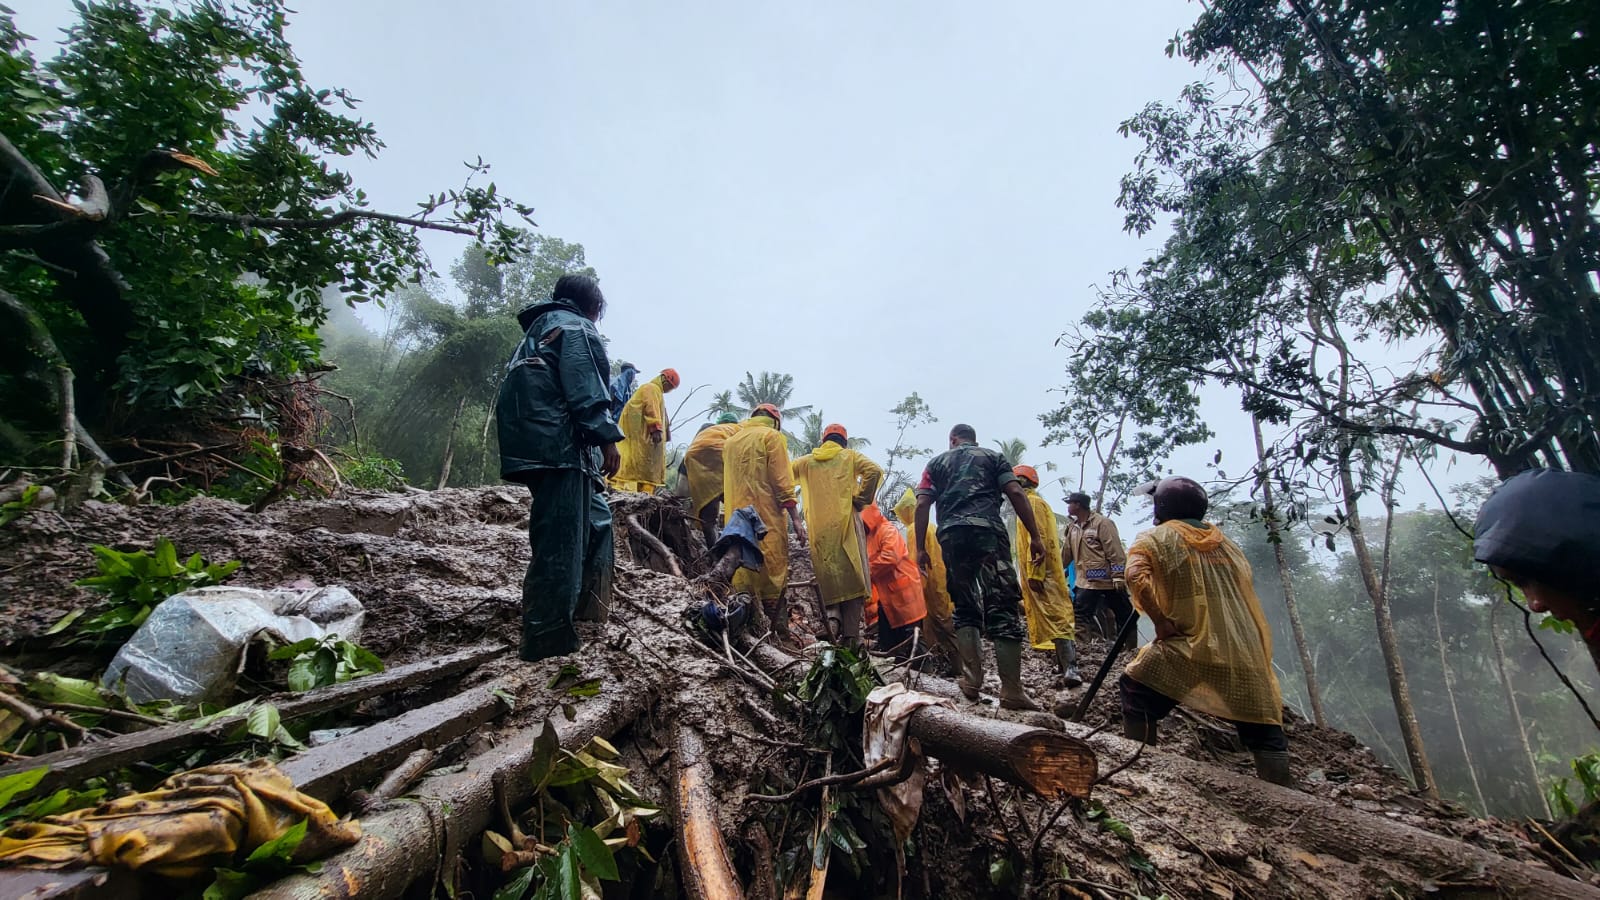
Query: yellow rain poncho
[1049,610]
[755,472]
[187,826]
[644,462]
[1221,660]
[703,465]
[940,631]
[831,481]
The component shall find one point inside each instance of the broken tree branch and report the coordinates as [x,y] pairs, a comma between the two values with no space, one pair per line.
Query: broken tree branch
[828,781]
[707,868]
[656,546]
[34,717]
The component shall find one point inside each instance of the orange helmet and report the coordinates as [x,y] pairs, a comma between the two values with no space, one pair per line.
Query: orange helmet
[767,409]
[670,376]
[1028,474]
[835,429]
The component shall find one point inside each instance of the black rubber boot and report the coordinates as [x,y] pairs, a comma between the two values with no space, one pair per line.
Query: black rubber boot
[1141,730]
[1008,659]
[1273,766]
[1067,659]
[969,643]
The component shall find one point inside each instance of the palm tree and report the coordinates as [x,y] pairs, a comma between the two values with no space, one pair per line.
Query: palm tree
[770,387]
[723,402]
[1012,450]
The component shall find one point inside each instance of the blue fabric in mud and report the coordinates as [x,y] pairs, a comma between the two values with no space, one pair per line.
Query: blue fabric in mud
[746,529]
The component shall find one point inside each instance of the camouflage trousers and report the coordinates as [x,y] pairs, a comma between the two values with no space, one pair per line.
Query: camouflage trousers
[983,582]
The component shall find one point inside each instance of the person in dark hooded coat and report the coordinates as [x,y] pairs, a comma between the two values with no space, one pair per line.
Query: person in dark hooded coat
[557,437]
[1540,531]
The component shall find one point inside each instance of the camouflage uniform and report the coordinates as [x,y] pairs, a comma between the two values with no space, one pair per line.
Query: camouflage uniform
[965,483]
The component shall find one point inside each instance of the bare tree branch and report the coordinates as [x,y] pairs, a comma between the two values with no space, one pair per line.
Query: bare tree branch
[343,217]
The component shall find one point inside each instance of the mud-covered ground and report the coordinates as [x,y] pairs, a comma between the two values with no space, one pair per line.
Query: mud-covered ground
[441,570]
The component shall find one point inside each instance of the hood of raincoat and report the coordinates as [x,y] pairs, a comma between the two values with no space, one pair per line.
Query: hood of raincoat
[905,509]
[1543,523]
[827,451]
[872,516]
[527,315]
[1201,539]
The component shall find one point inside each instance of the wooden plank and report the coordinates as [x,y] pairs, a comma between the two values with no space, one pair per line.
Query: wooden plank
[332,770]
[73,765]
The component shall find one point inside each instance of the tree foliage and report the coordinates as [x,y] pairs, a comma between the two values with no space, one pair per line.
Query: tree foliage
[210,215]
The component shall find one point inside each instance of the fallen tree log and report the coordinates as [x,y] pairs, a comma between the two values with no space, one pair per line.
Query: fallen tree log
[1322,826]
[702,855]
[414,838]
[70,767]
[330,771]
[1044,761]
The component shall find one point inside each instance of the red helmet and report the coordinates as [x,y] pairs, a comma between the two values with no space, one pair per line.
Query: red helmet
[670,376]
[835,429]
[768,410]
[1027,473]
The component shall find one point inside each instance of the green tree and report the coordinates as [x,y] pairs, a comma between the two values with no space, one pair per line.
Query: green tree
[898,471]
[1012,450]
[175,275]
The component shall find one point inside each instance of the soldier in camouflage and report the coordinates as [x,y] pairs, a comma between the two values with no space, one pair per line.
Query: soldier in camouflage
[967,482]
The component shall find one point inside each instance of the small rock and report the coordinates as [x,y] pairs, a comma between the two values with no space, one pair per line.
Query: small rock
[1361,792]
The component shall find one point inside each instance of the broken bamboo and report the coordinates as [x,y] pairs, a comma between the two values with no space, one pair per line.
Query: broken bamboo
[412,840]
[72,766]
[330,771]
[1046,762]
[702,855]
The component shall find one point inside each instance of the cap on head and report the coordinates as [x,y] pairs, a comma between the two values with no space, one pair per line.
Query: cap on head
[1180,498]
[768,410]
[1078,498]
[670,377]
[837,432]
[1028,474]
[727,418]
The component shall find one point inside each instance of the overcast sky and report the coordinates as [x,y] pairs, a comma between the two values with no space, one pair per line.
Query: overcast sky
[876,198]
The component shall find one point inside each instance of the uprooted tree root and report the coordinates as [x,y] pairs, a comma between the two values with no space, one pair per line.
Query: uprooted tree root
[703,728]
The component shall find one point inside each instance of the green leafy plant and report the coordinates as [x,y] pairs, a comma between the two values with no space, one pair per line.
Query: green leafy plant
[12,510]
[1587,770]
[268,862]
[19,784]
[135,582]
[561,857]
[371,472]
[320,662]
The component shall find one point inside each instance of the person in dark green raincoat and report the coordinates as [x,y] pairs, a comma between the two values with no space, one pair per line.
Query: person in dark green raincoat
[557,437]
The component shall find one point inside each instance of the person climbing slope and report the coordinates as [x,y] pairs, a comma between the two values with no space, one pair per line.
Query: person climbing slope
[1045,598]
[755,472]
[1213,648]
[557,437]
[896,583]
[937,629]
[645,432]
[702,469]
[835,482]
[966,482]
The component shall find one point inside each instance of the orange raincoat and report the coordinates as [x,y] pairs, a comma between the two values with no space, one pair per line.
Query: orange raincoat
[896,582]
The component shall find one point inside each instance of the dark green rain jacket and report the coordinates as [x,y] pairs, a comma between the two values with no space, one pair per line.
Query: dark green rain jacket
[552,409]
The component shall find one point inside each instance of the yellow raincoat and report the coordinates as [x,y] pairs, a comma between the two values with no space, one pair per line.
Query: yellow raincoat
[755,472]
[831,479]
[1221,660]
[939,631]
[1050,610]
[644,462]
[703,465]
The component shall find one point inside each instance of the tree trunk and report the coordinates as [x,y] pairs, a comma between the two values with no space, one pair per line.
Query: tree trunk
[1275,538]
[1106,463]
[1516,710]
[707,869]
[1450,691]
[1388,643]
[450,444]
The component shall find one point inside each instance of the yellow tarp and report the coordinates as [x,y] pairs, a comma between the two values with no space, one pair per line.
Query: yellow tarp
[205,818]
[1049,610]
[644,462]
[1221,661]
[755,472]
[703,465]
[831,480]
